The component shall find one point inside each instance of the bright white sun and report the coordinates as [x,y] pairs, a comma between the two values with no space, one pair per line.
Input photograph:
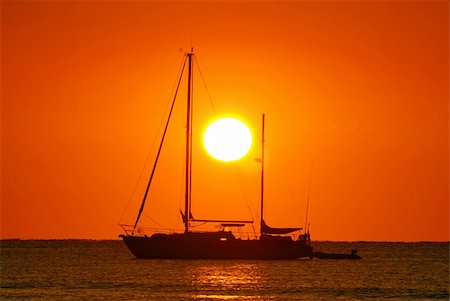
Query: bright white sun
[227,139]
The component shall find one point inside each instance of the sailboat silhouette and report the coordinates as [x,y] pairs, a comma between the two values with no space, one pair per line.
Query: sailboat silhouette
[272,243]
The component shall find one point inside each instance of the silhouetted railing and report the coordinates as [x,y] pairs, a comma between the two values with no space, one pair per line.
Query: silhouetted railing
[149,231]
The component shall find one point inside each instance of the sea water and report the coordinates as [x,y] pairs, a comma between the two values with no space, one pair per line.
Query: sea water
[96,270]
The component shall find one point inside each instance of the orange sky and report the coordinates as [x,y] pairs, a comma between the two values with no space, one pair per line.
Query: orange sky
[358,88]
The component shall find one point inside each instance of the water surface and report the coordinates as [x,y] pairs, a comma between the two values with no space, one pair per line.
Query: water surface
[86,269]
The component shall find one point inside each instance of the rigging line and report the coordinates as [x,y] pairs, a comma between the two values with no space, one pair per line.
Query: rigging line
[153,144]
[241,182]
[244,190]
[254,231]
[159,150]
[150,218]
[232,94]
[199,225]
[204,84]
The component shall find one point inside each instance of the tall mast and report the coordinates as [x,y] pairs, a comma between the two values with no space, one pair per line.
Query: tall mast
[262,175]
[188,145]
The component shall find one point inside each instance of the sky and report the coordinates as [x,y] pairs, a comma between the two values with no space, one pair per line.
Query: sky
[356,97]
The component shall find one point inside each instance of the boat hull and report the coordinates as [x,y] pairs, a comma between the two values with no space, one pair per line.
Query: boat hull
[321,255]
[215,246]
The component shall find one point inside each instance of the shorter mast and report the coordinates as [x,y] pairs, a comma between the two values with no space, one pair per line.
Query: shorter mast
[262,177]
[265,229]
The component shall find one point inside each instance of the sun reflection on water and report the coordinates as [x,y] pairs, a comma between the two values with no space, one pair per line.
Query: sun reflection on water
[227,281]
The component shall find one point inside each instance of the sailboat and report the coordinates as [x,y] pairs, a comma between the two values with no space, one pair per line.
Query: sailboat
[272,243]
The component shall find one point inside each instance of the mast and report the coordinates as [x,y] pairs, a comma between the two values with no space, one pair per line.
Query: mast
[188,145]
[264,228]
[262,175]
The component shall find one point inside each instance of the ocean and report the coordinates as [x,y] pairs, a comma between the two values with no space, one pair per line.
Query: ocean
[106,270]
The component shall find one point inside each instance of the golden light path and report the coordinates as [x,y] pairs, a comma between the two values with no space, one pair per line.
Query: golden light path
[228,281]
[227,139]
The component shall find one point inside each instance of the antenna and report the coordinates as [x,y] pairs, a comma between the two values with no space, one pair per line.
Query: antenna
[309,193]
[262,175]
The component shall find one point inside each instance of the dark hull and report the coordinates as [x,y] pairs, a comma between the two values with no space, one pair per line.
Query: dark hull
[335,256]
[215,245]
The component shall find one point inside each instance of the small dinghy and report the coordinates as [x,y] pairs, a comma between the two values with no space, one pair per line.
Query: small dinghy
[352,255]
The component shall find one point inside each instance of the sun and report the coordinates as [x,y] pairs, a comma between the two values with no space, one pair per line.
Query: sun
[227,139]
